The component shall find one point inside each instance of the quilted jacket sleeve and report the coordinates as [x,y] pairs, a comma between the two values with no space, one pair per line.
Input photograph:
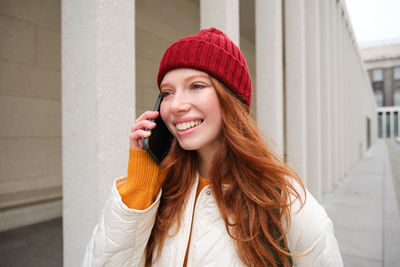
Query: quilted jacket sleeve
[120,237]
[311,234]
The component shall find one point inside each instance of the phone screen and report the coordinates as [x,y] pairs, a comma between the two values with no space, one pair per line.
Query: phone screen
[159,142]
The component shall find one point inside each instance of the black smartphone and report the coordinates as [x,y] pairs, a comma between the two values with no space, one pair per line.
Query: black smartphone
[159,142]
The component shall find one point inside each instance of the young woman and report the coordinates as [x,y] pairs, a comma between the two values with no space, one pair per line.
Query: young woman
[220,197]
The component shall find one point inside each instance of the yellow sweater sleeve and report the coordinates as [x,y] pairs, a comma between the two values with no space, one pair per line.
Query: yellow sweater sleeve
[143,182]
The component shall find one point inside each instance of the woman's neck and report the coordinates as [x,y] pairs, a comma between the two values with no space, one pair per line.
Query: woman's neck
[203,167]
[206,154]
[205,157]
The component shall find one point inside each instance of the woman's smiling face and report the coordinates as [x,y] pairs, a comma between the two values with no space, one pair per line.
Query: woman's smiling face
[191,110]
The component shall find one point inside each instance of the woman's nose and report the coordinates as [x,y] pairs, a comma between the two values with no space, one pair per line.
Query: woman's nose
[180,103]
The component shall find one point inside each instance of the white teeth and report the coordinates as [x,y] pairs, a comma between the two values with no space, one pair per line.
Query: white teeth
[186,125]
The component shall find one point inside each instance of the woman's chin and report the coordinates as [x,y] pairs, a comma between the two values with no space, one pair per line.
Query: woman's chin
[188,146]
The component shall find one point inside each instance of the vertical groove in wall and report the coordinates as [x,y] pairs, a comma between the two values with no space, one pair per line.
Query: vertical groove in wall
[284,81]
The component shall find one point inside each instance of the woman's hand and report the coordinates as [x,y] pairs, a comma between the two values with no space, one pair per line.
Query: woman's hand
[138,132]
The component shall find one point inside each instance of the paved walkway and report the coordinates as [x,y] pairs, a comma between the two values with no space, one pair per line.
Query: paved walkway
[38,245]
[362,207]
[365,214]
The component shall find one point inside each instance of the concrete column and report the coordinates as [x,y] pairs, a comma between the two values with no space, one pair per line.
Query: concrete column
[388,125]
[380,125]
[98,103]
[388,86]
[295,93]
[340,91]
[221,14]
[392,123]
[396,125]
[359,115]
[339,103]
[269,69]
[353,145]
[384,124]
[313,95]
[326,144]
[345,99]
[334,82]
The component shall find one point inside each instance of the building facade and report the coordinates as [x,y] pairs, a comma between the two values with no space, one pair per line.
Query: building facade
[30,112]
[312,98]
[382,61]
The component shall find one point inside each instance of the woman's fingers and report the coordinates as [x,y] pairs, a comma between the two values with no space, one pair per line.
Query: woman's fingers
[138,132]
[136,138]
[144,124]
[148,115]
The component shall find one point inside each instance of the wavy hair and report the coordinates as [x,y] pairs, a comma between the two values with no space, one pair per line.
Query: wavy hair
[250,183]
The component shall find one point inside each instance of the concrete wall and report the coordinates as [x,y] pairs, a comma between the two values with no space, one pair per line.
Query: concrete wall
[30,112]
[358,102]
[98,106]
[384,57]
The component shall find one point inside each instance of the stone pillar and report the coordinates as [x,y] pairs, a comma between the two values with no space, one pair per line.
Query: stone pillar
[340,91]
[384,124]
[326,145]
[392,123]
[269,67]
[221,14]
[397,125]
[388,86]
[334,91]
[349,109]
[388,121]
[346,99]
[389,115]
[98,103]
[313,107]
[295,94]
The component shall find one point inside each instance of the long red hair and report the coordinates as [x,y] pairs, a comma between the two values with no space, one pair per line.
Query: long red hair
[255,202]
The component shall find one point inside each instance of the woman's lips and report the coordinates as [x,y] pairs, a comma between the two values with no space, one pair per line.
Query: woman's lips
[188,127]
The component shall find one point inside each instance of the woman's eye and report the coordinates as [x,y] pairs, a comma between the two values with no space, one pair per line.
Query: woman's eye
[165,94]
[197,86]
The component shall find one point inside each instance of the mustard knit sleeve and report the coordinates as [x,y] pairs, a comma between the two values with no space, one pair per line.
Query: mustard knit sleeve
[143,182]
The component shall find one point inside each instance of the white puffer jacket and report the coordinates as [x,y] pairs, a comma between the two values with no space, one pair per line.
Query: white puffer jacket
[121,236]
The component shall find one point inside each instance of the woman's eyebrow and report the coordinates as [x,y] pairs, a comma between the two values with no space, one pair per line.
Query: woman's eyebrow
[204,76]
[162,85]
[196,76]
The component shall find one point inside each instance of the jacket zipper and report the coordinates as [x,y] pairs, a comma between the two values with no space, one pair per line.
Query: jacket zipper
[191,219]
[189,258]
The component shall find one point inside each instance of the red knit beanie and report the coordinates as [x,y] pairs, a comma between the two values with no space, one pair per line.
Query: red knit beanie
[210,51]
